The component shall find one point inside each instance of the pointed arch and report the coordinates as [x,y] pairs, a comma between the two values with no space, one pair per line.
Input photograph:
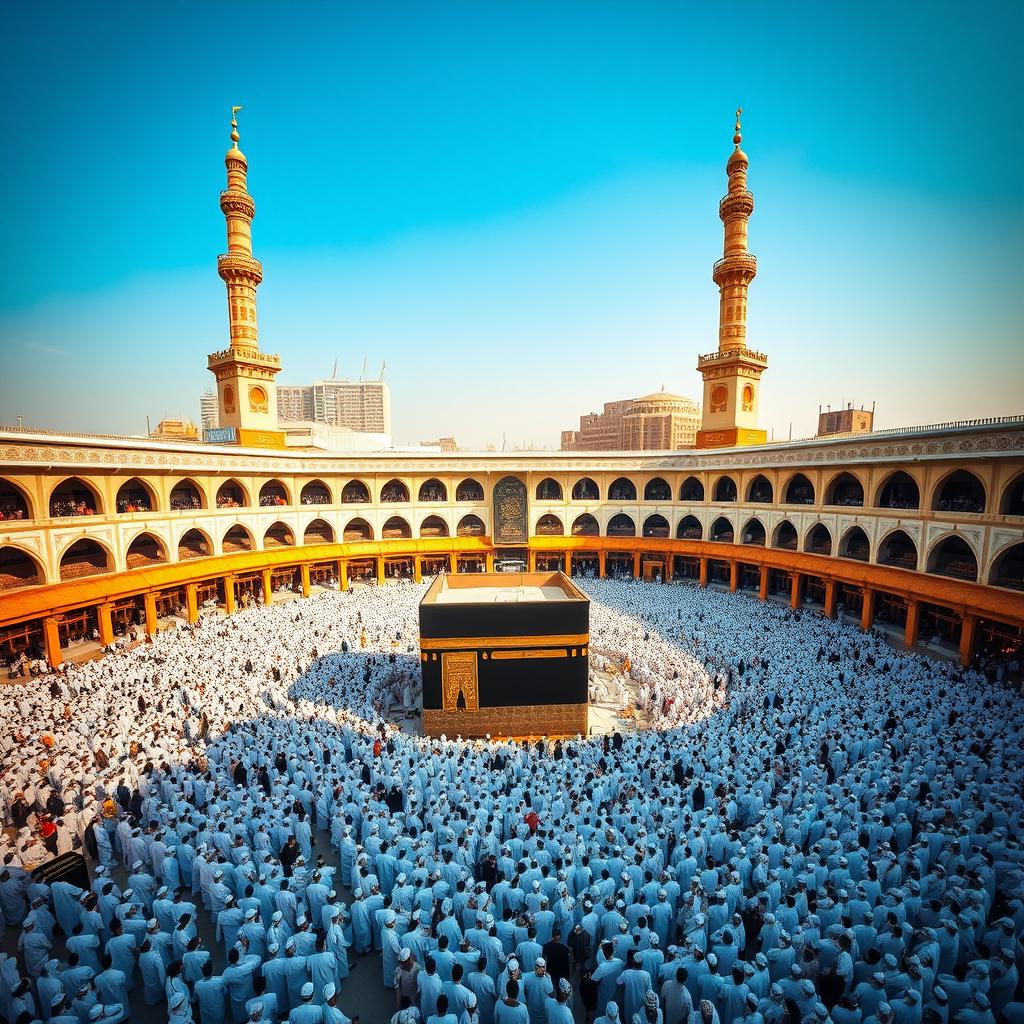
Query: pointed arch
[656,526]
[657,489]
[798,491]
[549,526]
[145,549]
[622,489]
[19,568]
[470,526]
[355,492]
[689,528]
[896,548]
[15,503]
[952,556]
[585,489]
[186,495]
[135,495]
[357,529]
[898,490]
[585,526]
[396,528]
[316,492]
[433,490]
[74,496]
[274,493]
[959,491]
[760,490]
[846,490]
[725,489]
[549,489]
[722,531]
[395,492]
[1008,568]
[1012,501]
[278,535]
[818,540]
[194,543]
[692,490]
[784,536]
[754,533]
[237,538]
[232,494]
[469,490]
[318,531]
[621,525]
[433,526]
[85,557]
[855,544]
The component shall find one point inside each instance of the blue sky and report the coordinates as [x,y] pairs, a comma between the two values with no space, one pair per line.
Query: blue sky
[514,205]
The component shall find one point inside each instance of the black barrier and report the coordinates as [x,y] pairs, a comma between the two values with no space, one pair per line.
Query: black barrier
[68,867]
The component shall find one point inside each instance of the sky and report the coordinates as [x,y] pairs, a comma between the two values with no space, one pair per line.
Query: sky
[515,206]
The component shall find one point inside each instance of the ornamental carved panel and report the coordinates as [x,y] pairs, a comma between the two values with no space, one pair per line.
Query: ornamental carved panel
[509,512]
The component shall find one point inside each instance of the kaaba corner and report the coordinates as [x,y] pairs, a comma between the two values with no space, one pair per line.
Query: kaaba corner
[504,655]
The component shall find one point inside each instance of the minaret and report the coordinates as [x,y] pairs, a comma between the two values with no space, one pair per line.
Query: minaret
[732,374]
[246,392]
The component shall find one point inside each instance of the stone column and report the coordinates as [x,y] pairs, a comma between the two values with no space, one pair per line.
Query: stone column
[417,569]
[149,601]
[343,574]
[703,572]
[191,603]
[51,639]
[268,592]
[380,568]
[489,561]
[230,604]
[105,624]
[867,611]
[762,584]
[636,565]
[531,560]
[602,563]
[913,622]
[830,599]
[453,562]
[968,636]
[795,588]
[567,562]
[734,576]
[304,579]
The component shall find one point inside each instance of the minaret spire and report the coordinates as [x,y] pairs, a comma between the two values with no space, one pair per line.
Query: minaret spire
[245,376]
[731,374]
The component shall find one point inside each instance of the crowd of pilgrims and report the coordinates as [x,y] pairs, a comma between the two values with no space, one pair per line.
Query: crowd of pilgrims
[814,828]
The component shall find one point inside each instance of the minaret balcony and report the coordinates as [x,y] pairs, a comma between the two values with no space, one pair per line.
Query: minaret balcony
[235,201]
[742,263]
[736,204]
[233,265]
[744,356]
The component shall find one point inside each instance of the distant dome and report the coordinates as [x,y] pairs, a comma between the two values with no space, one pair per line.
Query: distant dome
[661,401]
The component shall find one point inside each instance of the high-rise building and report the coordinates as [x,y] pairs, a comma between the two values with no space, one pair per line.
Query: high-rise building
[845,421]
[732,375]
[656,422]
[360,405]
[209,410]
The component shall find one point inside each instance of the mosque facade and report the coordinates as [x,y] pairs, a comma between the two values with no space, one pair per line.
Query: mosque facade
[921,529]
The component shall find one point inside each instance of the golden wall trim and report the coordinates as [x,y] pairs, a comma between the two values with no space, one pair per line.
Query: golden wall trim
[450,643]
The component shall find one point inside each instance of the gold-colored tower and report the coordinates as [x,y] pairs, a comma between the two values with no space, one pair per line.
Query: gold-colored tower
[732,375]
[246,391]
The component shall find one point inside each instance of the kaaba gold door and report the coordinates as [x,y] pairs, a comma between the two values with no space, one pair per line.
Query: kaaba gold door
[459,687]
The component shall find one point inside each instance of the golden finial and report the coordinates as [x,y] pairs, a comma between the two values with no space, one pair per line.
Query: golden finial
[234,126]
[737,138]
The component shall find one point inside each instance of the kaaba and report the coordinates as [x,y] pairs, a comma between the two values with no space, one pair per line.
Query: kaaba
[504,654]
